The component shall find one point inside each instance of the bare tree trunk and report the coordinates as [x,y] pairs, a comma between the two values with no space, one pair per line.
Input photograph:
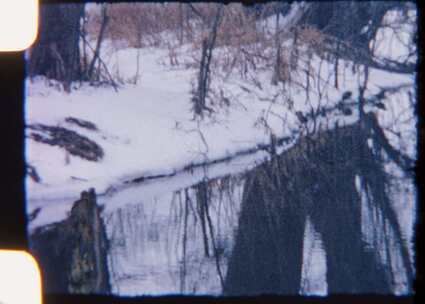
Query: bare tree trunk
[96,54]
[208,44]
[181,21]
[56,54]
[84,61]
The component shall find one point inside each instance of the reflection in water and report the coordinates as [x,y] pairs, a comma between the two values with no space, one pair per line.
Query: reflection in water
[247,234]
[314,263]
[395,248]
[158,246]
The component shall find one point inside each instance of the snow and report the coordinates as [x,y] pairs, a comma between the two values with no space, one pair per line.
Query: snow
[148,129]
[395,42]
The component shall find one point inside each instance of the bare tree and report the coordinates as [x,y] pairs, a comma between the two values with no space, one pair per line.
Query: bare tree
[56,55]
[208,44]
[96,58]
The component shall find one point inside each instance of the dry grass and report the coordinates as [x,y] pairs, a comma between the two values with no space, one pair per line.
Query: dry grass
[140,23]
[312,38]
[137,23]
[246,45]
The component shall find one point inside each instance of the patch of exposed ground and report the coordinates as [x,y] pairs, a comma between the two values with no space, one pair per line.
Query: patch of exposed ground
[73,142]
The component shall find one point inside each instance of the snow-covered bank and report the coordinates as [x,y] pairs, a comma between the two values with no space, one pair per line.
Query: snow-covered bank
[156,154]
[148,129]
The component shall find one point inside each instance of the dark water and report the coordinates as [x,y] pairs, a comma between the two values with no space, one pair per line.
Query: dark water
[157,245]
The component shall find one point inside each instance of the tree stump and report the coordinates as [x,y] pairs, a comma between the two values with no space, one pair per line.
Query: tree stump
[73,253]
